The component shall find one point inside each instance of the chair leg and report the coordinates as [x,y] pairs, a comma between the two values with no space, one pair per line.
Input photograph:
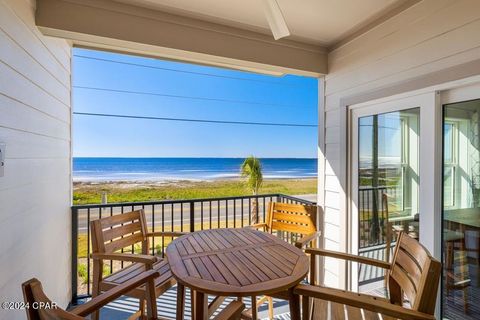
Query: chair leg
[270,308]
[141,307]
[465,300]
[305,308]
[97,277]
[152,313]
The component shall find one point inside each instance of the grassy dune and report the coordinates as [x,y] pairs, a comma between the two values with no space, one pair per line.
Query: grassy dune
[90,193]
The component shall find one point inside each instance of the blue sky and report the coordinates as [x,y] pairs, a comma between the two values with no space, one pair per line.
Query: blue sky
[249,97]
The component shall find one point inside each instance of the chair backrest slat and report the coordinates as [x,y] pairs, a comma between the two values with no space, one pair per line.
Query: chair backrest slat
[410,266]
[415,250]
[293,218]
[406,283]
[119,219]
[113,233]
[120,231]
[124,242]
[415,273]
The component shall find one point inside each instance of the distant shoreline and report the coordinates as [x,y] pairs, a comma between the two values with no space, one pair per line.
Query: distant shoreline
[170,181]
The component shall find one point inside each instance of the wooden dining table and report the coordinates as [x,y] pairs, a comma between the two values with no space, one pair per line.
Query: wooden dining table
[234,263]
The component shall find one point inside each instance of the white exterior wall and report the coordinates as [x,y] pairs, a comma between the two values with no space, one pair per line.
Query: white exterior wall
[35,192]
[429,37]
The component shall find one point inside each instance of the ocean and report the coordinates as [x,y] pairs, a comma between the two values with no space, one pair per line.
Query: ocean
[174,169]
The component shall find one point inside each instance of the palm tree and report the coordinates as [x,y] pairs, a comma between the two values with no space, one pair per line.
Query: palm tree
[251,169]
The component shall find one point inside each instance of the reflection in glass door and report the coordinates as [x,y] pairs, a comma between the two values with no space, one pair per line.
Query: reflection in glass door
[388,186]
[461,210]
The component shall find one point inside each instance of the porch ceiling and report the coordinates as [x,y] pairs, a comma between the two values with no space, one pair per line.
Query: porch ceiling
[122,27]
[319,22]
[226,33]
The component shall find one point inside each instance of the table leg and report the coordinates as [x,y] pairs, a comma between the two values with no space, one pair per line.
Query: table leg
[254,308]
[201,306]
[294,301]
[180,301]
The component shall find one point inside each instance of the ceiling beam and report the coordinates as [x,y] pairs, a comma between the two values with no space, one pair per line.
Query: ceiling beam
[114,26]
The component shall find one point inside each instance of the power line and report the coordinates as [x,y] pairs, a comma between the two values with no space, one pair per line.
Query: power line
[184,97]
[195,120]
[182,71]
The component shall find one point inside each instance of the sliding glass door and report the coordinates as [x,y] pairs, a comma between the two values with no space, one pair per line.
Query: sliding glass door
[414,165]
[388,185]
[392,173]
[461,210]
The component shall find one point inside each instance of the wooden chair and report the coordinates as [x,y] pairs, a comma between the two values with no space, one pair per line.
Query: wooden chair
[296,220]
[413,274]
[111,234]
[33,295]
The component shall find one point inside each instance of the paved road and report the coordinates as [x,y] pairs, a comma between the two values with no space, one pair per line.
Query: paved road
[217,211]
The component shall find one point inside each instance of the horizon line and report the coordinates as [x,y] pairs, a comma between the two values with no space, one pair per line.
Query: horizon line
[126,157]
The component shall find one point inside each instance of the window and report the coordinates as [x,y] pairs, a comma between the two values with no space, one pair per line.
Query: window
[450,161]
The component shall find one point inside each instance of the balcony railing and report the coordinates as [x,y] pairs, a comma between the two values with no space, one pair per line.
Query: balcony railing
[167,215]
[372,226]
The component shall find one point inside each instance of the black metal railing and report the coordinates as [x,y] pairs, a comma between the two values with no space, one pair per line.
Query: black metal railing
[166,215]
[373,214]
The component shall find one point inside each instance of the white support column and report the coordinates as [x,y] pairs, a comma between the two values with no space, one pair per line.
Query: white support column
[431,173]
[431,178]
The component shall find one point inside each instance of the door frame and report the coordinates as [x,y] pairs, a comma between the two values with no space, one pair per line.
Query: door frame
[427,103]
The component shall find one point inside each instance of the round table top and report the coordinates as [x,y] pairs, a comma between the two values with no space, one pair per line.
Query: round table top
[236,262]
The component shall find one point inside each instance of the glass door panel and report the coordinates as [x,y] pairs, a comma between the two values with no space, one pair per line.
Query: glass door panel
[388,186]
[461,210]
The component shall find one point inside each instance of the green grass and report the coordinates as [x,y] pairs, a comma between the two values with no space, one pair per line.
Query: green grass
[92,193]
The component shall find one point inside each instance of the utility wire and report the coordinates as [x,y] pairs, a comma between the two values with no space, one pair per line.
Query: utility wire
[195,120]
[182,71]
[184,97]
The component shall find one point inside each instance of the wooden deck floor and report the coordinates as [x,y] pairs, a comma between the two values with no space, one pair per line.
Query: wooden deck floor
[368,274]
[122,308]
[453,303]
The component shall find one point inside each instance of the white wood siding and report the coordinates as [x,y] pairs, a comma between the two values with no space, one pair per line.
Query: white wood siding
[35,193]
[431,36]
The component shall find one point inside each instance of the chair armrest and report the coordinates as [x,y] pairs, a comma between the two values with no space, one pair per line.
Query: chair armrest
[112,294]
[362,301]
[349,257]
[305,240]
[257,226]
[130,257]
[232,311]
[166,234]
